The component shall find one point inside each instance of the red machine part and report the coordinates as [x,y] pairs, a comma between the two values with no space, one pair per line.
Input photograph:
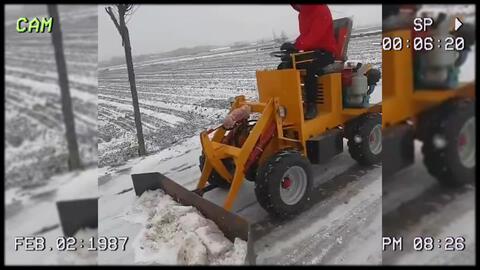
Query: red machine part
[229,137]
[238,134]
[260,145]
[347,74]
[286,183]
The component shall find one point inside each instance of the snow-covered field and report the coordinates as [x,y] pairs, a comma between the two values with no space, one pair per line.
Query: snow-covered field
[35,145]
[179,96]
[36,174]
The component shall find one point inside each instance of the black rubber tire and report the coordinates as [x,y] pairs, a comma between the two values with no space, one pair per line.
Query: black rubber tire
[215,178]
[360,151]
[268,180]
[443,162]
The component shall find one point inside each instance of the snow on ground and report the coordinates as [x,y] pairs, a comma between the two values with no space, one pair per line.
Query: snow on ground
[347,216]
[176,234]
[414,204]
[467,71]
[344,227]
[33,212]
[81,256]
[116,192]
[376,96]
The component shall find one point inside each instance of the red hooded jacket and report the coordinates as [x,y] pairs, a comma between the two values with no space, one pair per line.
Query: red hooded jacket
[316,28]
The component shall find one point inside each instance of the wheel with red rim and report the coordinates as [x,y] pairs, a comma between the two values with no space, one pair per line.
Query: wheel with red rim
[284,183]
[365,139]
[293,185]
[449,143]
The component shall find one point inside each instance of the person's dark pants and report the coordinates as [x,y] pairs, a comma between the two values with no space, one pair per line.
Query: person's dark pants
[321,59]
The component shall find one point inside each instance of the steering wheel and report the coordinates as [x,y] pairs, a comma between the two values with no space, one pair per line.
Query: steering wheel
[279,54]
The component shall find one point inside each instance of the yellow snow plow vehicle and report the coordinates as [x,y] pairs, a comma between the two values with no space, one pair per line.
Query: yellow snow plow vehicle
[423,100]
[269,142]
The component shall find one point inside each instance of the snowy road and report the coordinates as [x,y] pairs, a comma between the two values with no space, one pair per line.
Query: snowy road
[342,228]
[345,217]
[414,204]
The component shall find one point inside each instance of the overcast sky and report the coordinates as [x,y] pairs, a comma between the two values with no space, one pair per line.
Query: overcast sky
[159,28]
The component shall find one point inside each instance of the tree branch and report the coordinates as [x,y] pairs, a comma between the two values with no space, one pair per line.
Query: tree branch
[115,22]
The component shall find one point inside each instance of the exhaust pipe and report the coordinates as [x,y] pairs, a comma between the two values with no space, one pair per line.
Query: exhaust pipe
[229,223]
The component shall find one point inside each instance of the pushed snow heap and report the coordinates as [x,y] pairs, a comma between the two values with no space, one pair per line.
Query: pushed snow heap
[177,234]
[81,255]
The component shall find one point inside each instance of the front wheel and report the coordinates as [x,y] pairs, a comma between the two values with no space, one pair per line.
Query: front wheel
[284,183]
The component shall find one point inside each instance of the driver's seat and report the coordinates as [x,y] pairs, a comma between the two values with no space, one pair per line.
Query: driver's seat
[342,29]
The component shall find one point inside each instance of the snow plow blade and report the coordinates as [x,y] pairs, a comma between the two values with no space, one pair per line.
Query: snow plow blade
[78,214]
[229,223]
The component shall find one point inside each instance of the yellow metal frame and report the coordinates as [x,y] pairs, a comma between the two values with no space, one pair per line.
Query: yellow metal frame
[214,150]
[276,88]
[295,55]
[400,100]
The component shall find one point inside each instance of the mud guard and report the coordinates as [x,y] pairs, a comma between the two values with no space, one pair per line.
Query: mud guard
[229,223]
[77,214]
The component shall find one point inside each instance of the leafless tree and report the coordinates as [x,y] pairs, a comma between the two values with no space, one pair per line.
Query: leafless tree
[68,116]
[118,15]
[283,37]
[274,36]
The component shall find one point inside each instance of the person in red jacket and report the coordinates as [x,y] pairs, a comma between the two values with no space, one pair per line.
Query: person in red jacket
[317,35]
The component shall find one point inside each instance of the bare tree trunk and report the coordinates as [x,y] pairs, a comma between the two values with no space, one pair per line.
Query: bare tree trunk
[133,87]
[68,117]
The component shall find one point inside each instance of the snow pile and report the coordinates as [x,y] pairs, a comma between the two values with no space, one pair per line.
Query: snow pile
[177,234]
[84,185]
[80,256]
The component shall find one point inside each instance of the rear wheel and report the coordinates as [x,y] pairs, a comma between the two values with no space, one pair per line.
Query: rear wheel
[449,145]
[215,178]
[284,183]
[365,139]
